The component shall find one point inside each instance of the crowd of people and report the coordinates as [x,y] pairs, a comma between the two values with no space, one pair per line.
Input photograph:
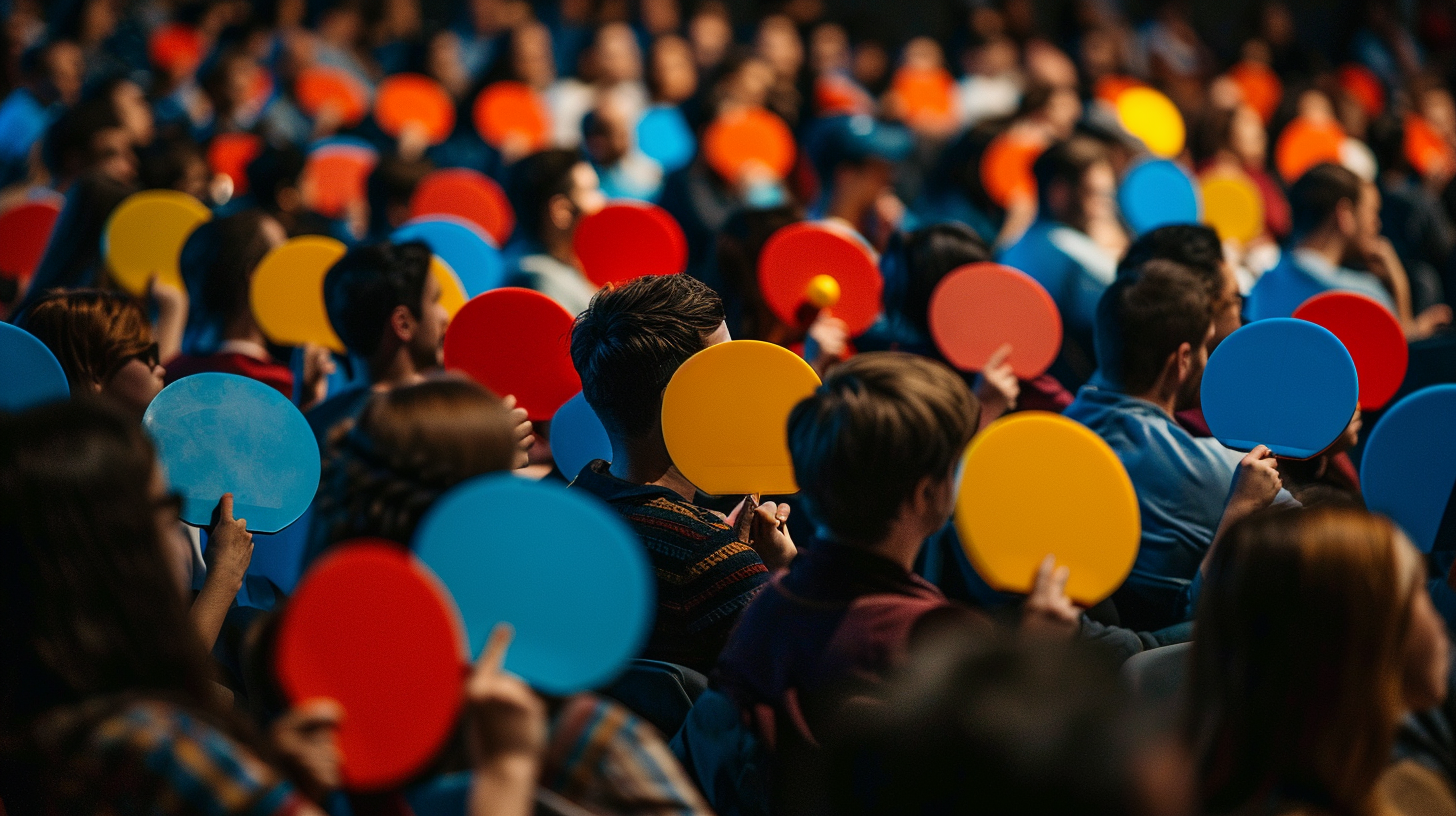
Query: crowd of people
[1276,648]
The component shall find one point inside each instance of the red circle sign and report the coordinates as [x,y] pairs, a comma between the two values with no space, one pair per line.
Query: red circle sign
[231,153]
[798,253]
[466,194]
[981,307]
[24,232]
[516,341]
[322,85]
[1372,336]
[374,630]
[627,240]
[406,99]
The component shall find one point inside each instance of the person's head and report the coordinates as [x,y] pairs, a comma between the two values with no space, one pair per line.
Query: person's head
[409,446]
[1331,203]
[631,340]
[1153,327]
[176,164]
[238,244]
[1197,248]
[273,179]
[606,133]
[925,257]
[1315,636]
[389,188]
[103,342]
[385,305]
[89,138]
[857,155]
[616,55]
[1014,727]
[91,562]
[876,445]
[552,190]
[672,75]
[710,32]
[780,45]
[1075,182]
[57,69]
[132,110]
[1056,108]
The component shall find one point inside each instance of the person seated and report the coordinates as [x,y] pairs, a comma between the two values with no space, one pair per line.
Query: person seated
[1316,636]
[1196,248]
[626,347]
[1015,727]
[552,191]
[1062,249]
[108,696]
[874,450]
[1153,329]
[856,159]
[221,256]
[385,306]
[104,344]
[1336,229]
[408,446]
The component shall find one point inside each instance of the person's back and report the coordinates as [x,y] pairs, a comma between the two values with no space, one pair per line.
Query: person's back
[626,346]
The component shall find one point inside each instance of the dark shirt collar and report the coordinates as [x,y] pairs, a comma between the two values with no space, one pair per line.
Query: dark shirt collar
[826,571]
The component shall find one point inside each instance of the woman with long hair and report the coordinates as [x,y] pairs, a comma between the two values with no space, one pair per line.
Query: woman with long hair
[1315,637]
[106,696]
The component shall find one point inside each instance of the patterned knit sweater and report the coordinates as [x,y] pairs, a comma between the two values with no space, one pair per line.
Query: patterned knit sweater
[705,576]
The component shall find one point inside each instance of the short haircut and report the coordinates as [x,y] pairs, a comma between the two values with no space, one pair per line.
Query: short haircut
[1144,316]
[239,245]
[536,180]
[164,165]
[930,254]
[68,145]
[1193,246]
[92,333]
[880,423]
[392,184]
[365,286]
[1066,162]
[274,170]
[631,340]
[1313,199]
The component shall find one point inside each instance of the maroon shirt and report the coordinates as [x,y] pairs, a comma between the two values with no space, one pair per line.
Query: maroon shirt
[269,373]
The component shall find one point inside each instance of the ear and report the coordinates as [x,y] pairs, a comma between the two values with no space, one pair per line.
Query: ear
[402,324]
[1345,217]
[1183,358]
[559,212]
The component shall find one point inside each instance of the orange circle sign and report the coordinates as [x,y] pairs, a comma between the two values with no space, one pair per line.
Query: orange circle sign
[1034,484]
[738,144]
[323,86]
[980,307]
[1259,86]
[511,111]
[1006,167]
[407,100]
[728,439]
[1305,143]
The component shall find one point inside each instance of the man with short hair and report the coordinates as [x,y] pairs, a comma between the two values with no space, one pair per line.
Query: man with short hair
[626,347]
[552,191]
[1337,228]
[1154,325]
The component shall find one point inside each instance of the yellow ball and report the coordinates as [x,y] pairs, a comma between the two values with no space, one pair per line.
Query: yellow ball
[822,291]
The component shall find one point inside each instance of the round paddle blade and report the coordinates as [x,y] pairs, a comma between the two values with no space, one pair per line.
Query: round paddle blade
[321,86]
[558,566]
[24,232]
[1371,334]
[978,308]
[1156,193]
[1233,206]
[287,292]
[466,194]
[30,375]
[370,628]
[221,433]
[509,111]
[1408,469]
[1152,118]
[725,436]
[1284,383]
[797,254]
[577,437]
[145,234]
[627,240]
[1034,484]
[747,142]
[516,342]
[414,100]
[462,245]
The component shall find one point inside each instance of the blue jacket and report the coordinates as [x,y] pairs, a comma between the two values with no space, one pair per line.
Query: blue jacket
[1302,274]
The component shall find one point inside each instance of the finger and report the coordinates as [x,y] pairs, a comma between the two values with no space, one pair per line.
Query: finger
[1044,574]
[242,524]
[1060,578]
[317,711]
[999,356]
[743,522]
[225,508]
[783,513]
[510,401]
[493,656]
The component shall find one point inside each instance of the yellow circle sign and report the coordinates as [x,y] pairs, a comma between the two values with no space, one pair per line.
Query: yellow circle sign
[1153,118]
[144,237]
[1036,483]
[452,292]
[725,417]
[1233,207]
[288,292]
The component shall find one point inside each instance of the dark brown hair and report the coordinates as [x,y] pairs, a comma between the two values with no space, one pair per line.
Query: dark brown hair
[408,447]
[631,340]
[879,424]
[1296,687]
[1144,316]
[92,333]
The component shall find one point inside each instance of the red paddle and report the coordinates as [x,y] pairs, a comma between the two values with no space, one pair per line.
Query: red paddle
[466,194]
[627,240]
[1372,336]
[516,341]
[980,307]
[809,266]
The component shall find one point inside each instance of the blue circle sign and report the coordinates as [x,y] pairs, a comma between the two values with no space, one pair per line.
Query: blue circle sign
[1156,193]
[1408,469]
[462,245]
[1285,383]
[221,433]
[577,437]
[30,375]
[560,567]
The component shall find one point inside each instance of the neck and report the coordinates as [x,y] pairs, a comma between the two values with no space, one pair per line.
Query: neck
[902,545]
[1327,244]
[644,461]
[389,370]
[1161,396]
[244,328]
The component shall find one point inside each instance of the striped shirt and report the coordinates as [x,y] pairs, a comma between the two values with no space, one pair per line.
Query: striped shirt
[705,576]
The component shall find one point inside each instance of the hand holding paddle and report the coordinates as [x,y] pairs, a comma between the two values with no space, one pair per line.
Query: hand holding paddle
[1256,483]
[505,732]
[1048,611]
[229,551]
[764,527]
[997,387]
[524,438]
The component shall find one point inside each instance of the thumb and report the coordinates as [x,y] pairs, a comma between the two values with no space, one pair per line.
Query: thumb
[1000,356]
[225,509]
[742,518]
